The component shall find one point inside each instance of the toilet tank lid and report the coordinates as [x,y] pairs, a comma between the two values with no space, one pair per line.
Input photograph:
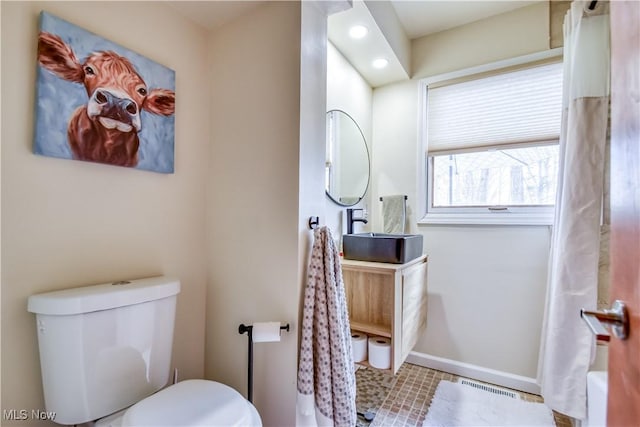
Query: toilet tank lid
[105,296]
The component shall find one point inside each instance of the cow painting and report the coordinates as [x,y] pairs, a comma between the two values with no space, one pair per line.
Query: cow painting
[110,106]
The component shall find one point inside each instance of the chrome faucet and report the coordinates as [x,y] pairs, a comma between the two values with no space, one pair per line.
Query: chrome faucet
[351,219]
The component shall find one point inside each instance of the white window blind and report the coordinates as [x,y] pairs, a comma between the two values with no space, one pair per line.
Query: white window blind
[513,107]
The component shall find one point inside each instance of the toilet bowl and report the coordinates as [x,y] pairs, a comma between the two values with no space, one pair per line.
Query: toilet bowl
[596,399]
[105,357]
[190,402]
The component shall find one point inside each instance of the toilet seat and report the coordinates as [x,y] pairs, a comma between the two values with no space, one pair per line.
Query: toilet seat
[190,403]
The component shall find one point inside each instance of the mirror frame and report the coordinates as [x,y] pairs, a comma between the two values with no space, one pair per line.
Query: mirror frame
[366,149]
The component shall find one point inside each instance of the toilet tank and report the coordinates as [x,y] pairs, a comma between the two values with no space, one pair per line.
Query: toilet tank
[104,347]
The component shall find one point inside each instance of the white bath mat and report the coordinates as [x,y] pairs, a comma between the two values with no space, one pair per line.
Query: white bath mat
[456,404]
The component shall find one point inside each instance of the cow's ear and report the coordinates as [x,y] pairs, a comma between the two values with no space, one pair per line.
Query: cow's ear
[160,101]
[58,57]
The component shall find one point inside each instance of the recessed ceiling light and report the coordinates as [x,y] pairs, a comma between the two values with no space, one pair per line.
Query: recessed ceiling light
[380,63]
[358,31]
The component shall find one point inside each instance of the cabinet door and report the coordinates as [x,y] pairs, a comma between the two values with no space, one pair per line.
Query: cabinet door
[414,306]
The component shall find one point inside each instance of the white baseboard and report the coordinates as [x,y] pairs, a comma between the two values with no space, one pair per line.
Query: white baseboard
[500,378]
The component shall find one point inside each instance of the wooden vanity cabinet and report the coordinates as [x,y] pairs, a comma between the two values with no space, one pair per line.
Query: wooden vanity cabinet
[388,300]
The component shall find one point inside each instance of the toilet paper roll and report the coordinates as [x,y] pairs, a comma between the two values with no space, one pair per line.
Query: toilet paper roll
[380,352]
[266,332]
[359,346]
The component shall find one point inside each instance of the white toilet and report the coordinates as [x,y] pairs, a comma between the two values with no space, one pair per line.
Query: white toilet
[105,352]
[597,388]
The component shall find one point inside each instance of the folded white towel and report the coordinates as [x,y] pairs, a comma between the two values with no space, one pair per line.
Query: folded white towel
[394,214]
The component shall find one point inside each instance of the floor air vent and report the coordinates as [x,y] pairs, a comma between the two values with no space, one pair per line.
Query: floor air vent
[490,389]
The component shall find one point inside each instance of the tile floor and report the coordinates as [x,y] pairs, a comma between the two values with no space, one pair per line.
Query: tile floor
[403,399]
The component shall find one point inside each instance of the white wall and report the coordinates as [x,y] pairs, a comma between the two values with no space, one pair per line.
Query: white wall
[486,295]
[395,147]
[70,223]
[267,163]
[253,201]
[348,91]
[511,34]
[486,283]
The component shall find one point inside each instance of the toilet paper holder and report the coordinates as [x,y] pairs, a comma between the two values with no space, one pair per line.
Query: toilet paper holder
[248,329]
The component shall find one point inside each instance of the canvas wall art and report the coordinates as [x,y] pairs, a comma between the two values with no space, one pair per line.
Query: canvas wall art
[98,101]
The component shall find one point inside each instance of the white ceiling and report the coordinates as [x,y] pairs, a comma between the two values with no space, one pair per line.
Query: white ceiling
[417,18]
[361,53]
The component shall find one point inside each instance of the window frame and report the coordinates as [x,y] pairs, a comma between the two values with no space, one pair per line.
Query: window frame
[526,214]
[512,215]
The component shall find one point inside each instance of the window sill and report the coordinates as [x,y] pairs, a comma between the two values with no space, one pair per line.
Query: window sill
[491,218]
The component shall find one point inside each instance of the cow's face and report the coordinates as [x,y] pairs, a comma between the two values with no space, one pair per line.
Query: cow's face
[116,91]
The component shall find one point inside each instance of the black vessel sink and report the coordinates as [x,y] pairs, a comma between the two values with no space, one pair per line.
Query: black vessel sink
[380,247]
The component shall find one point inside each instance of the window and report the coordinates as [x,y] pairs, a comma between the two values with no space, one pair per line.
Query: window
[492,146]
[496,177]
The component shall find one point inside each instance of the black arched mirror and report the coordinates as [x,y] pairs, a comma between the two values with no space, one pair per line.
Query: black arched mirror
[347,166]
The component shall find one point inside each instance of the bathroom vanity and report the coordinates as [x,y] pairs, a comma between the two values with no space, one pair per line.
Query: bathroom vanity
[388,300]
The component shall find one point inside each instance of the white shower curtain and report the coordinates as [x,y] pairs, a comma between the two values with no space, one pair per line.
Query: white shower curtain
[567,345]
